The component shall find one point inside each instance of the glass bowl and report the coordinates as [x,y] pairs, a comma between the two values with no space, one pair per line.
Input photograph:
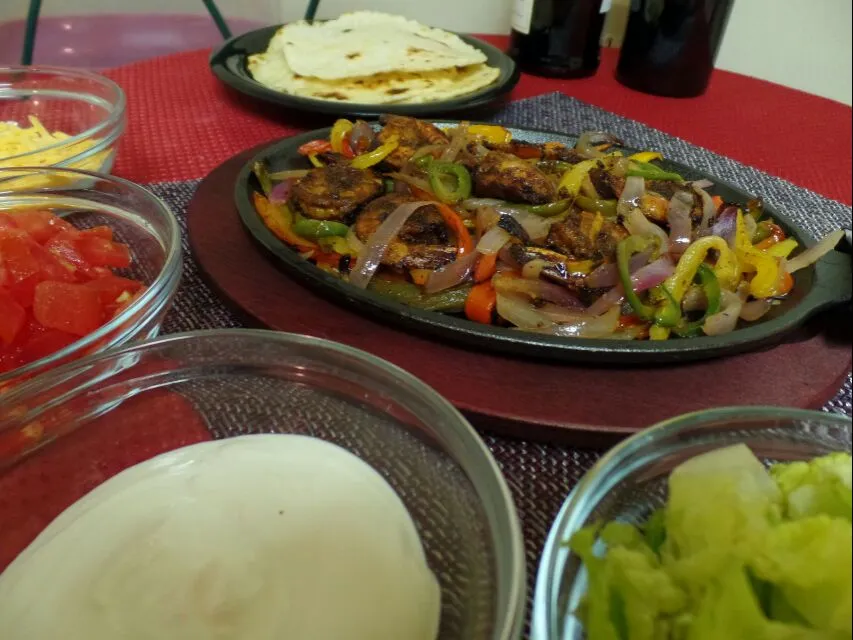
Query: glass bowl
[138,219]
[629,482]
[87,107]
[65,432]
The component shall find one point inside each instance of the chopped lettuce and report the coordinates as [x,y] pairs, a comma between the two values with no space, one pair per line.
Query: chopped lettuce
[736,553]
[824,485]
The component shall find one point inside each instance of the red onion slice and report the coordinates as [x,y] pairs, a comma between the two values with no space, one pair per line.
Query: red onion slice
[755,309]
[281,192]
[457,141]
[607,274]
[680,225]
[629,199]
[581,325]
[638,224]
[520,312]
[726,225]
[362,137]
[493,241]
[452,274]
[815,253]
[726,319]
[709,210]
[374,250]
[537,290]
[643,279]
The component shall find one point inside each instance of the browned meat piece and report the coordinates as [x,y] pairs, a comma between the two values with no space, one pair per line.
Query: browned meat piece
[667,189]
[507,177]
[603,183]
[334,191]
[558,151]
[550,151]
[423,243]
[586,236]
[411,133]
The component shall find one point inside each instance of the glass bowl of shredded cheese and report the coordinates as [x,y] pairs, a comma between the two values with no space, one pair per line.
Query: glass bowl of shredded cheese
[51,116]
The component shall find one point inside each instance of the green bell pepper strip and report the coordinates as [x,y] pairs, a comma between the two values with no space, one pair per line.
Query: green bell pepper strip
[388,183]
[449,301]
[652,172]
[593,205]
[423,161]
[669,313]
[711,286]
[437,171]
[314,229]
[263,176]
[550,209]
[624,250]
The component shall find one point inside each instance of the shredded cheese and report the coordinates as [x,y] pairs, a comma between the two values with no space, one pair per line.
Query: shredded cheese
[16,140]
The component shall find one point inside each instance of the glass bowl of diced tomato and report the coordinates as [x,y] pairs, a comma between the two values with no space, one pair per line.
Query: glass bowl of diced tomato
[87,262]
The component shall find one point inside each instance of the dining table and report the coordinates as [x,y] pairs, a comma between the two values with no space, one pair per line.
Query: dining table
[182,123]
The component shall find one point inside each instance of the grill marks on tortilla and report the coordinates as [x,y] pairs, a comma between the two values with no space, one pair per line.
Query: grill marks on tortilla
[371,58]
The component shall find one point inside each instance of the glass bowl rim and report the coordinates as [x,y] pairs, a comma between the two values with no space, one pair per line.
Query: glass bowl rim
[171,267]
[118,102]
[509,622]
[543,602]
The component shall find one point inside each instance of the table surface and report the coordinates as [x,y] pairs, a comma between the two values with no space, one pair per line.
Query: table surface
[182,122]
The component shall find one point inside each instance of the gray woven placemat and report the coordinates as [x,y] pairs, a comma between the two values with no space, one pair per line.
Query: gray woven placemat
[540,475]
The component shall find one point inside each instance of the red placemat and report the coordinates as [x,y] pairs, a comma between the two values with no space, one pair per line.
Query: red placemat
[182,122]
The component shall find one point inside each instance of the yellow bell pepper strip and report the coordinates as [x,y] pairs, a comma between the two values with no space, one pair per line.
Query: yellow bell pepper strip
[570,183]
[314,229]
[726,270]
[652,172]
[493,134]
[437,172]
[340,130]
[645,156]
[713,294]
[312,157]
[782,249]
[549,209]
[481,303]
[766,279]
[366,160]
[624,250]
[279,220]
[335,244]
[593,205]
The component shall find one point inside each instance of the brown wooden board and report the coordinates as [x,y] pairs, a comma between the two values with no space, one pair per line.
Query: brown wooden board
[579,404]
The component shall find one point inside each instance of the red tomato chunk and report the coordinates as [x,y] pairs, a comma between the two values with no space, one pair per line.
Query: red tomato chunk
[56,284]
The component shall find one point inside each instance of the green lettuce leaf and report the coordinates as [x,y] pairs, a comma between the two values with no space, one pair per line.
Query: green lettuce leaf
[821,486]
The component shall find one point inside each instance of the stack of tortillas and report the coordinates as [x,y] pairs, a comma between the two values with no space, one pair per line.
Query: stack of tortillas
[371,58]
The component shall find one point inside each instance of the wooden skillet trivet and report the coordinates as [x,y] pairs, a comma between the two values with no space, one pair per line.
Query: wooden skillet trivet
[578,404]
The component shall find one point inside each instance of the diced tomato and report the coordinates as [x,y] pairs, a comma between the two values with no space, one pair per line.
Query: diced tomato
[111,287]
[64,246]
[101,231]
[40,225]
[72,308]
[13,317]
[101,252]
[124,301]
[42,344]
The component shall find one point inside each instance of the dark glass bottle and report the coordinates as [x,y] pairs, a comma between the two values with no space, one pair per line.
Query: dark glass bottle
[557,37]
[670,45]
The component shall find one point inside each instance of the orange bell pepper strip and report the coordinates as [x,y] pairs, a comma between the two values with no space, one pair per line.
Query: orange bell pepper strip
[314,147]
[786,283]
[464,243]
[486,267]
[776,235]
[718,202]
[481,302]
[279,220]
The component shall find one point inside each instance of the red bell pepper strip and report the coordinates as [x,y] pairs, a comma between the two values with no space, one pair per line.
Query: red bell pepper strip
[314,147]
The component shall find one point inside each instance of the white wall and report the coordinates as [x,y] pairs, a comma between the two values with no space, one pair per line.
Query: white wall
[800,43]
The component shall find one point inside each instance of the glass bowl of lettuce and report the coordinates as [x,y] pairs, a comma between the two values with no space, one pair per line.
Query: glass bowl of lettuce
[726,524]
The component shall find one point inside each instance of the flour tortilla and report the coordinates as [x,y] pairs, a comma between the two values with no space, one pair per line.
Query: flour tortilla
[272,70]
[364,43]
